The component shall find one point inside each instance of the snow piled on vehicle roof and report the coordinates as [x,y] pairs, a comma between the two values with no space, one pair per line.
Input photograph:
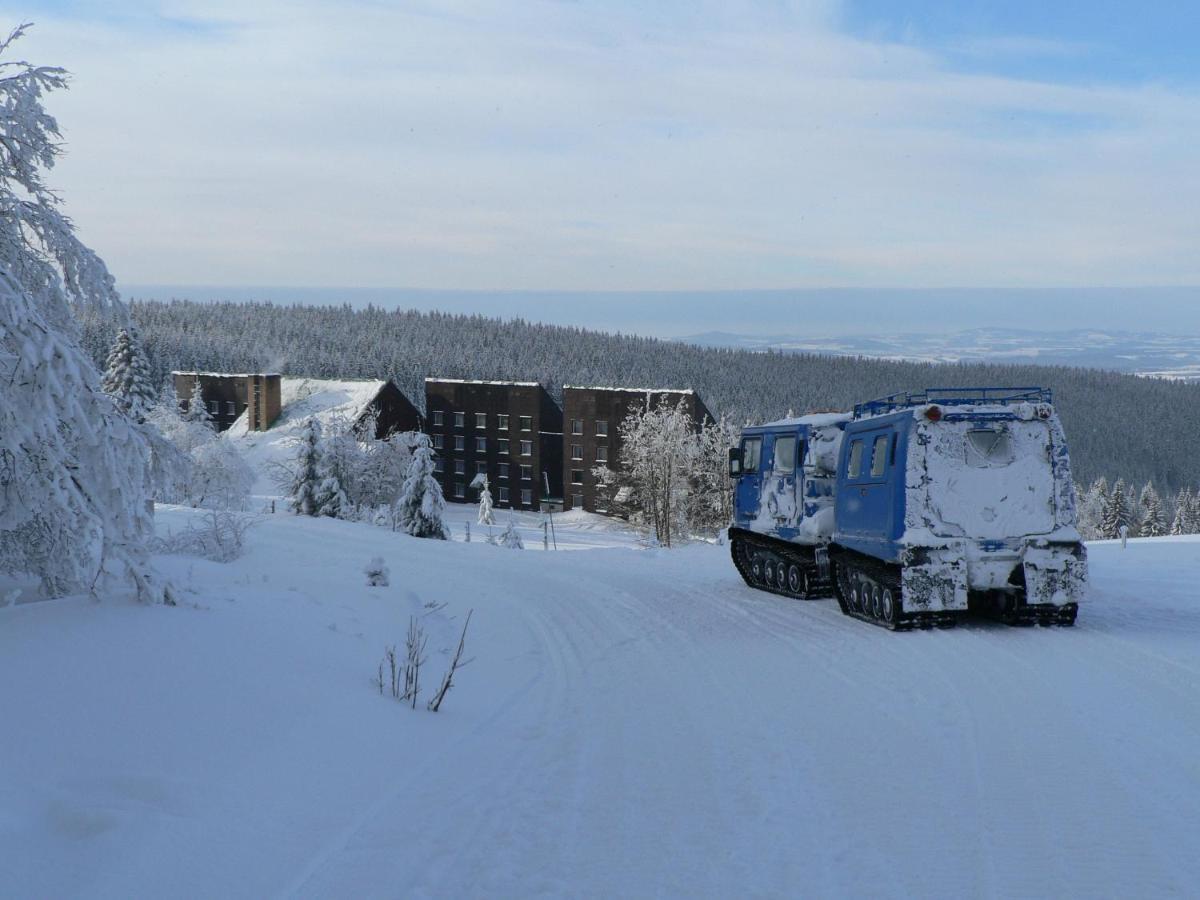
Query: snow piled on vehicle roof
[813,420]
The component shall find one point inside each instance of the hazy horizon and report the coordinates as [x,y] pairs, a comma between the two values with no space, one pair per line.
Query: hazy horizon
[818,312]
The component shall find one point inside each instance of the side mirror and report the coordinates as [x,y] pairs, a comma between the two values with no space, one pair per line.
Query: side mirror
[735,462]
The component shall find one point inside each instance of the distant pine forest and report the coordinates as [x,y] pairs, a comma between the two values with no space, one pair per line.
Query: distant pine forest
[1119,426]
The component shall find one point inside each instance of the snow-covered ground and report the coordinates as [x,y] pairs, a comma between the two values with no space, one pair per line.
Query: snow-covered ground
[635,722]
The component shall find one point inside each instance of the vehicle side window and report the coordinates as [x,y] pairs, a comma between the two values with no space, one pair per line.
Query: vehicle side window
[751,454]
[785,455]
[879,455]
[855,467]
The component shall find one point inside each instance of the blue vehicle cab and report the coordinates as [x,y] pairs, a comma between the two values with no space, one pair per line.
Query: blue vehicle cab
[786,475]
[914,508]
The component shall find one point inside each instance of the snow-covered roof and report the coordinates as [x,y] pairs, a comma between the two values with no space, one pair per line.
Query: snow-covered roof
[813,420]
[478,381]
[232,374]
[628,390]
[300,398]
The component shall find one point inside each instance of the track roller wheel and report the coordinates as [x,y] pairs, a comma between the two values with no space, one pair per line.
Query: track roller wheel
[795,579]
[889,608]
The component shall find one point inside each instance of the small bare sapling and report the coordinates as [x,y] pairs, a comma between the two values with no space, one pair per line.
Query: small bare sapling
[455,664]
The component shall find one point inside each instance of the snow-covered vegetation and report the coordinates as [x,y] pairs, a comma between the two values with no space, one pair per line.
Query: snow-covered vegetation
[1118,425]
[1110,512]
[74,467]
[673,479]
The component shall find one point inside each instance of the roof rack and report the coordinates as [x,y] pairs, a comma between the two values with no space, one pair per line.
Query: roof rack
[995,396]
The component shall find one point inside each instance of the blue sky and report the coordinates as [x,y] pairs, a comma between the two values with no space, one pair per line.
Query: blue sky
[627,146]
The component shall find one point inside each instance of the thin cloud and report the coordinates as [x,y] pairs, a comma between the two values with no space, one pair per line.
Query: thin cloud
[460,145]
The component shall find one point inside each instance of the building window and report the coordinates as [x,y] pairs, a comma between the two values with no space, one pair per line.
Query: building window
[439,465]
[502,421]
[481,468]
[460,467]
[502,445]
[214,407]
[526,423]
[577,501]
[601,454]
[577,426]
[577,476]
[460,489]
[527,448]
[503,467]
[460,420]
[503,493]
[481,420]
[526,497]
[480,445]
[230,408]
[527,473]
[439,441]
[577,451]
[459,442]
[601,428]
[438,417]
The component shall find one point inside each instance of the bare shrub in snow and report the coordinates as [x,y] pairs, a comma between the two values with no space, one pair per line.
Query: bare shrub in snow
[376,572]
[219,535]
[74,470]
[414,658]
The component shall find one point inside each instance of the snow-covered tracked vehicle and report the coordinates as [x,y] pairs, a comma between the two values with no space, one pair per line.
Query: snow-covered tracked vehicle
[914,508]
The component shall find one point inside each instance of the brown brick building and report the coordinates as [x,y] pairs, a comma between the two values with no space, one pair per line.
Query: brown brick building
[228,396]
[393,411]
[592,419]
[512,430]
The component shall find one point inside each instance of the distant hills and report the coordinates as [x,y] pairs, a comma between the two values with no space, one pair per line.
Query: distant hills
[1139,353]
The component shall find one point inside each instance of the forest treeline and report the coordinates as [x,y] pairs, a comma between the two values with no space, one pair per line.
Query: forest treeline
[1119,426]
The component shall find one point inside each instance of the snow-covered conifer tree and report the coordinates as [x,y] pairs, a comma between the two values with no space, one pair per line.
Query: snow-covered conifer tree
[1116,512]
[486,517]
[1183,502]
[127,376]
[1190,509]
[307,476]
[329,498]
[1152,524]
[511,538]
[74,472]
[421,504]
[1091,509]
[197,411]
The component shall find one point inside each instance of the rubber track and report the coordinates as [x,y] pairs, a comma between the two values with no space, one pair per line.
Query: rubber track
[885,575]
[819,588]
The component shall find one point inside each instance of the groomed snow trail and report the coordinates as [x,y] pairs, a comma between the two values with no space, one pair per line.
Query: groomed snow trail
[639,723]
